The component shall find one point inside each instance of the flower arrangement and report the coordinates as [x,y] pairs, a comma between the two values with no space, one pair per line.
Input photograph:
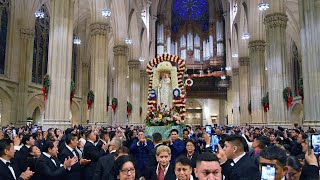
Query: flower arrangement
[287,96]
[72,90]
[45,86]
[90,99]
[114,104]
[265,103]
[129,108]
[300,88]
[164,116]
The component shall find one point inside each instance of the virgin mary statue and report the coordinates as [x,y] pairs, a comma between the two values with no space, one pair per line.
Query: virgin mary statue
[165,91]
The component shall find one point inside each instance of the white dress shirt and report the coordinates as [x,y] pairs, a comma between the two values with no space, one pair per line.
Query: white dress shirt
[10,168]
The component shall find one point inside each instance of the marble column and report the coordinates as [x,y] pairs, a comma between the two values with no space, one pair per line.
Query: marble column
[26,45]
[309,23]
[257,80]
[144,82]
[235,98]
[121,91]
[276,24]
[99,71]
[59,64]
[134,83]
[244,90]
[222,112]
[85,89]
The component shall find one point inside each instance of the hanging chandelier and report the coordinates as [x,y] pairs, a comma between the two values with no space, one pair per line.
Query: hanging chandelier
[76,40]
[263,6]
[39,13]
[245,36]
[128,41]
[223,77]
[106,12]
[141,59]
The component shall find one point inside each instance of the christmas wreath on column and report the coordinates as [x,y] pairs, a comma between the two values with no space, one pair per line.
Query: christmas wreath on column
[72,90]
[45,86]
[300,88]
[108,100]
[129,108]
[265,103]
[90,99]
[114,104]
[287,96]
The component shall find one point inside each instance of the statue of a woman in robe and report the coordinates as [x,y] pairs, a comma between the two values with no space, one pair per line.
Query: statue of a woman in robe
[165,91]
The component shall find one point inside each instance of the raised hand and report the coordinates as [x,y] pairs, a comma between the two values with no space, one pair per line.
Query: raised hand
[221,155]
[84,161]
[27,174]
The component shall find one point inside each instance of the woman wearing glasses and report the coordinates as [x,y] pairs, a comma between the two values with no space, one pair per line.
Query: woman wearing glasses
[124,168]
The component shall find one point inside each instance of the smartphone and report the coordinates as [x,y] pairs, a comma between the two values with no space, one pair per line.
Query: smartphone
[214,143]
[209,130]
[268,172]
[14,133]
[315,143]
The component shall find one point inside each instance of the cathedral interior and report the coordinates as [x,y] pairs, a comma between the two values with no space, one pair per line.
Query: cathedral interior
[70,62]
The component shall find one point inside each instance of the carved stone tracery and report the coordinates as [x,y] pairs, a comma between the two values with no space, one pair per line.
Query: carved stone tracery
[26,33]
[244,61]
[276,20]
[257,45]
[133,64]
[235,71]
[99,29]
[120,50]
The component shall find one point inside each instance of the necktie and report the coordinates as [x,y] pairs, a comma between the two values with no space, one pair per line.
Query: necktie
[161,174]
[76,153]
[9,164]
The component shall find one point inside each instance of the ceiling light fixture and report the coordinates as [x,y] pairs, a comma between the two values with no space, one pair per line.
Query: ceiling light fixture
[128,41]
[263,6]
[106,12]
[39,13]
[245,36]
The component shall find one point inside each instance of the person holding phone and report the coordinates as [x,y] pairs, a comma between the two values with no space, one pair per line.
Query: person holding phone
[310,167]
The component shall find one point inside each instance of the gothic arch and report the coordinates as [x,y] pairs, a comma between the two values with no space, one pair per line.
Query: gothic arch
[133,31]
[243,28]
[119,20]
[34,102]
[234,46]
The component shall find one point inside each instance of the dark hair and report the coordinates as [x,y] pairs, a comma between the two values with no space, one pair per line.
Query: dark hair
[238,141]
[87,133]
[174,130]
[26,138]
[157,137]
[185,130]
[5,144]
[30,149]
[118,164]
[47,145]
[191,141]
[297,131]
[294,163]
[70,137]
[123,150]
[274,153]
[263,141]
[304,135]
[112,134]
[103,133]
[36,134]
[184,161]
[206,156]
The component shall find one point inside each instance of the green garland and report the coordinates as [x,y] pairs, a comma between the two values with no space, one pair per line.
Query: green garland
[46,82]
[72,86]
[265,99]
[90,96]
[114,103]
[287,92]
[129,107]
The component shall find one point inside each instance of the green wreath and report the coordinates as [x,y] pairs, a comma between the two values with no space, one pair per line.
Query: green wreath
[114,103]
[129,107]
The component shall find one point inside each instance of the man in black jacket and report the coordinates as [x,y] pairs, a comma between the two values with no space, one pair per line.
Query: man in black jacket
[70,151]
[9,170]
[157,141]
[22,155]
[48,166]
[235,163]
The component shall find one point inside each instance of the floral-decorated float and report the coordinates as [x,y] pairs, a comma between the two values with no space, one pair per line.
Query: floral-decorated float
[166,95]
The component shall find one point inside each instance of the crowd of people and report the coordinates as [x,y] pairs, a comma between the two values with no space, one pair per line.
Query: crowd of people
[115,152]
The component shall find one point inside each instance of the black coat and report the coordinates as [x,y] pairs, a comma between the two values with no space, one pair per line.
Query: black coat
[5,173]
[103,170]
[91,152]
[244,169]
[47,170]
[75,172]
[20,158]
[99,146]
[152,175]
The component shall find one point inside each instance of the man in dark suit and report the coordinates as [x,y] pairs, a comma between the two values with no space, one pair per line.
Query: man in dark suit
[176,145]
[104,139]
[22,155]
[140,149]
[164,170]
[91,152]
[235,163]
[9,170]
[70,151]
[105,164]
[157,141]
[48,166]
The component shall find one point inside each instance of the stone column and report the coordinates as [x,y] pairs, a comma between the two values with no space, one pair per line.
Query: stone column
[309,21]
[235,98]
[26,45]
[144,82]
[257,80]
[244,90]
[99,71]
[222,112]
[59,64]
[121,91]
[85,90]
[134,83]
[276,24]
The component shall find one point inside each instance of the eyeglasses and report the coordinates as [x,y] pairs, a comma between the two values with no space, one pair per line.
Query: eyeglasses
[126,171]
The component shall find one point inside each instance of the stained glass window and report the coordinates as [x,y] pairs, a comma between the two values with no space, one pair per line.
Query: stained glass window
[40,50]
[4,19]
[75,49]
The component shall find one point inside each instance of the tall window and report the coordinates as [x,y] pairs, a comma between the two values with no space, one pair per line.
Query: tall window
[4,19]
[75,49]
[40,50]
[296,68]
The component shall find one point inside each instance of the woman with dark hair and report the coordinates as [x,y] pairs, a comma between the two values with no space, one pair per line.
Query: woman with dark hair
[190,152]
[33,154]
[294,168]
[123,168]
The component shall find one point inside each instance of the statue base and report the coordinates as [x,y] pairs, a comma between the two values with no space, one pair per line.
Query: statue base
[163,130]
